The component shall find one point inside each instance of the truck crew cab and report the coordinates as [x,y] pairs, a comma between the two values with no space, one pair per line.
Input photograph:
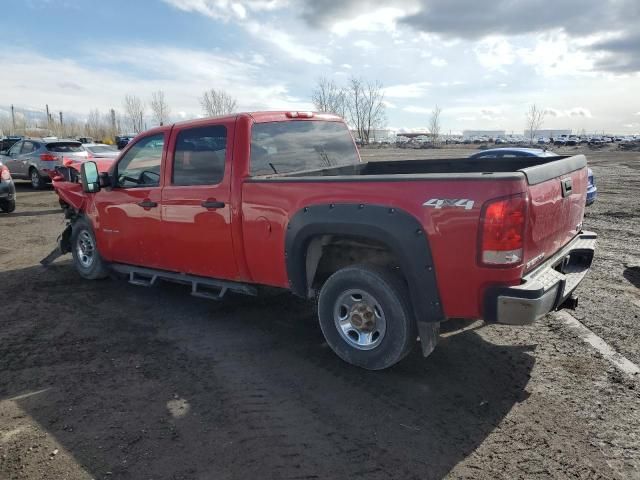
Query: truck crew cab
[390,249]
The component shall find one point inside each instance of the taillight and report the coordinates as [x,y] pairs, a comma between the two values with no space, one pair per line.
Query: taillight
[5,174]
[48,157]
[502,231]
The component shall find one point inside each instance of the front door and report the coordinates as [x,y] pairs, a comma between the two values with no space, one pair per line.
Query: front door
[196,215]
[12,160]
[129,214]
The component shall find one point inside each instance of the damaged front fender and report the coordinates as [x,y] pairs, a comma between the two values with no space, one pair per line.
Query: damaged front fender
[63,247]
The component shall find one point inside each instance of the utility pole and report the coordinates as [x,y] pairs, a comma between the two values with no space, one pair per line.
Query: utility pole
[113,121]
[140,124]
[48,118]
[13,120]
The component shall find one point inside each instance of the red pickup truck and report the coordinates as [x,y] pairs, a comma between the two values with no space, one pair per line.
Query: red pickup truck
[390,249]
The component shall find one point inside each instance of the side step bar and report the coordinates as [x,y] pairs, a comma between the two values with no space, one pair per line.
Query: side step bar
[201,287]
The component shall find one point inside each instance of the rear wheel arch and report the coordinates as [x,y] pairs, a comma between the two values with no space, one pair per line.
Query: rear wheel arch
[392,230]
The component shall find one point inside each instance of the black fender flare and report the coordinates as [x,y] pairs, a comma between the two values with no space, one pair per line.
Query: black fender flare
[397,229]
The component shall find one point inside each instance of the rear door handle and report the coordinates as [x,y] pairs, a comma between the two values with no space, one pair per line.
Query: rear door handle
[147,204]
[212,204]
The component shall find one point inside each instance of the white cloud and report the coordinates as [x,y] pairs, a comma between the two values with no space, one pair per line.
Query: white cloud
[104,87]
[494,53]
[556,55]
[376,20]
[364,44]
[416,109]
[439,62]
[408,90]
[571,112]
[288,44]
[226,9]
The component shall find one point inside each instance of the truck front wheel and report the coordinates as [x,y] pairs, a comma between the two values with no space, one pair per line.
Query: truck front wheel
[86,257]
[365,316]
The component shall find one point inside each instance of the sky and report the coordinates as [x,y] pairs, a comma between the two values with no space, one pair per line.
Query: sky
[482,63]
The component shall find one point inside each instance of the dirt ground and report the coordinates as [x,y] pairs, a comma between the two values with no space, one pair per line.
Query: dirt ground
[107,380]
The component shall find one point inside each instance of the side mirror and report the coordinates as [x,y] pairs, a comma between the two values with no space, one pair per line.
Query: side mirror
[90,177]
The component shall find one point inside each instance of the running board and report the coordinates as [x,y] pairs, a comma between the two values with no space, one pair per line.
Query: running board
[201,287]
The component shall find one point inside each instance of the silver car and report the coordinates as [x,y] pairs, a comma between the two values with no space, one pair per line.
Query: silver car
[35,159]
[101,150]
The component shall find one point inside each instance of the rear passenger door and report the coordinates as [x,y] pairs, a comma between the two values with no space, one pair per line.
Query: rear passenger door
[196,215]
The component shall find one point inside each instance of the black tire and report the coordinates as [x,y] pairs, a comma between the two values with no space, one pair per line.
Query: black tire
[8,206]
[86,257]
[38,182]
[387,296]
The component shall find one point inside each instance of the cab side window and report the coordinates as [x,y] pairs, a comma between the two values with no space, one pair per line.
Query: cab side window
[140,166]
[199,156]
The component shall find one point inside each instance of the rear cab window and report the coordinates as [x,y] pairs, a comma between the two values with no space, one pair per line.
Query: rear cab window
[300,145]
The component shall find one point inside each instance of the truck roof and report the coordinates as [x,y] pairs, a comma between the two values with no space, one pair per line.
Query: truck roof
[267,116]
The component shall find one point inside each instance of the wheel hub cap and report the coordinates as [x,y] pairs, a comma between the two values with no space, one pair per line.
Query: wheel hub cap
[85,249]
[359,319]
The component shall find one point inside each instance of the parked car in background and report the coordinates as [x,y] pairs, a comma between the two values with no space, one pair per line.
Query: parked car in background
[513,152]
[84,140]
[7,190]
[35,159]
[592,190]
[101,150]
[122,140]
[7,142]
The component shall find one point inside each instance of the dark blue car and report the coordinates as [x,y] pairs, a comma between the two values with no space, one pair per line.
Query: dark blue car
[592,190]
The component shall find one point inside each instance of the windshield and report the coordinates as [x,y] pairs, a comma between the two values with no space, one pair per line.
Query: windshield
[283,147]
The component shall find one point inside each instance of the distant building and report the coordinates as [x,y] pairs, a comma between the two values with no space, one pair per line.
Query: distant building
[483,133]
[549,133]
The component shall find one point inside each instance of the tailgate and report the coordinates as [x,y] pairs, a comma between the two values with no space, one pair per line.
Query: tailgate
[557,196]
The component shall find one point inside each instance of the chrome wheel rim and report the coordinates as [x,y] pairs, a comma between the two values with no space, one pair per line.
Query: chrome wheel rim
[35,178]
[359,319]
[85,248]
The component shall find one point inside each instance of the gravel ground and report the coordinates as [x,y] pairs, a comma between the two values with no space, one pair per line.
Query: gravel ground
[107,380]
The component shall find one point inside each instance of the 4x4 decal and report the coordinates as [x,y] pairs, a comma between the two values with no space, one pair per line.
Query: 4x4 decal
[449,202]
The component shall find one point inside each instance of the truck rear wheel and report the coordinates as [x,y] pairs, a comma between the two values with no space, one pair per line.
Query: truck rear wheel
[84,250]
[365,316]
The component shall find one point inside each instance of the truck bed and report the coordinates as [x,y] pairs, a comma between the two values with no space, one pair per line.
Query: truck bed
[535,169]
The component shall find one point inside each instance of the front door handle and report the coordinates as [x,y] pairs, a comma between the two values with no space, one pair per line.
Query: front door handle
[212,204]
[147,204]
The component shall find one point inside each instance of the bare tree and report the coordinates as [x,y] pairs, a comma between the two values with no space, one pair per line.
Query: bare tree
[134,111]
[329,98]
[217,102]
[159,107]
[535,119]
[365,107]
[434,125]
[96,127]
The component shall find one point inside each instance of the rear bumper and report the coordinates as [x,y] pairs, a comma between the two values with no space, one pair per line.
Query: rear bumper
[546,288]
